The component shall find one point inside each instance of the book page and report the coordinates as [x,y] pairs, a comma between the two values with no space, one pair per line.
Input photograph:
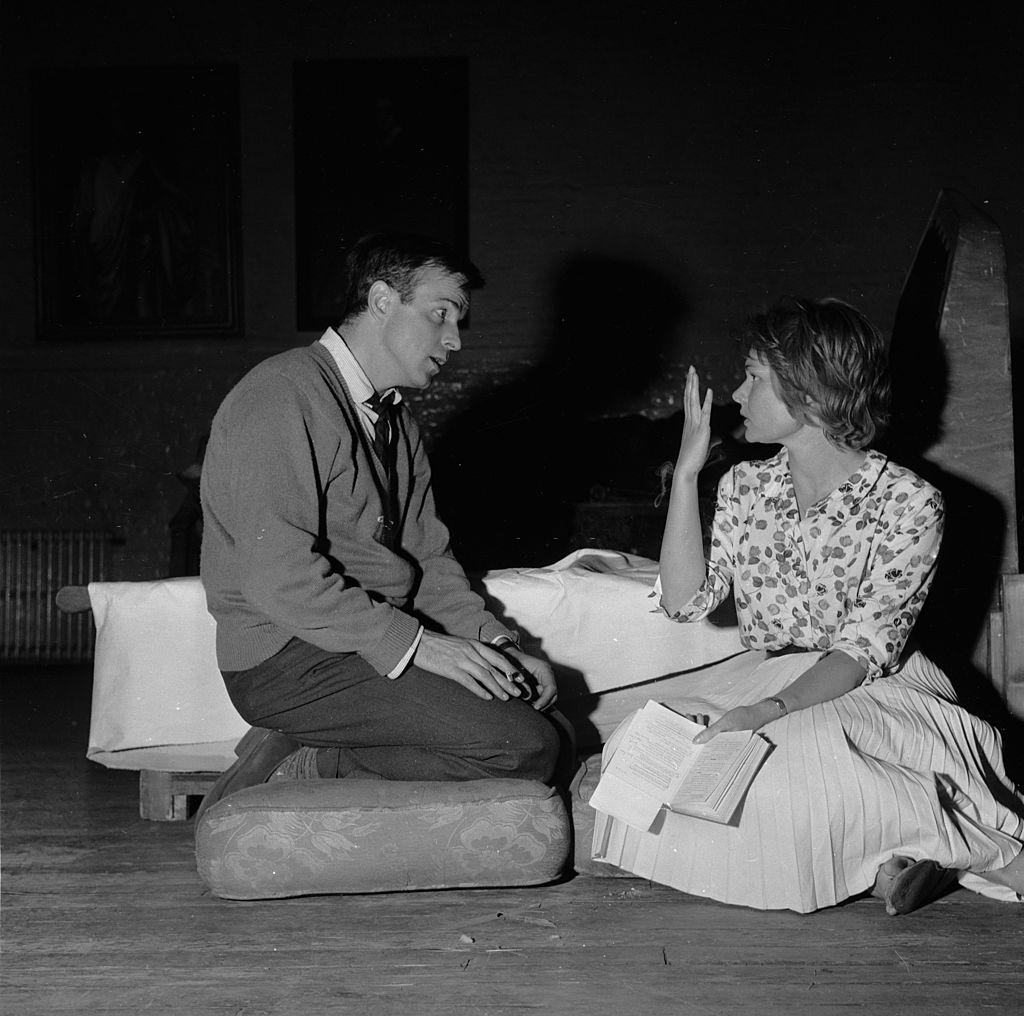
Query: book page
[717,757]
[657,749]
[619,799]
[723,797]
[654,752]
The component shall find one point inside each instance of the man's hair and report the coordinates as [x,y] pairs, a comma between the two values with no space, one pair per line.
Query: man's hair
[831,364]
[399,259]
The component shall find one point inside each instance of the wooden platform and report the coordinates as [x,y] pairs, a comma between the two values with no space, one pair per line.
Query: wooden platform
[172,797]
[103,914]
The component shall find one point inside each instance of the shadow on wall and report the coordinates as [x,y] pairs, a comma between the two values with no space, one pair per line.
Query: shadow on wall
[511,470]
[953,621]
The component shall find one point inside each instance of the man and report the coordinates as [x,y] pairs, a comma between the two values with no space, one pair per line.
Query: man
[344,623]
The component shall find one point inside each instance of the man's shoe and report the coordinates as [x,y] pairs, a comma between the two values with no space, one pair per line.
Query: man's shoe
[301,764]
[259,753]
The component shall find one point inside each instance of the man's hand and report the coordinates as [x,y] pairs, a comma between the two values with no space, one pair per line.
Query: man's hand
[541,676]
[476,666]
[741,718]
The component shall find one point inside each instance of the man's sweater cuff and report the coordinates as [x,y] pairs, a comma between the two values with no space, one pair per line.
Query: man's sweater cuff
[399,668]
[494,629]
[399,635]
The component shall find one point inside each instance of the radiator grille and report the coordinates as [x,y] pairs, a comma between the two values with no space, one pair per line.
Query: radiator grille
[34,564]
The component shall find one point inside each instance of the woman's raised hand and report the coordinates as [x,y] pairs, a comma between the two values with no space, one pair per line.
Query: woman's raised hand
[696,439]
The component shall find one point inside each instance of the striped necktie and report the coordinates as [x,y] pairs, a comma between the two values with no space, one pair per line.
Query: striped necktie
[385,429]
[385,444]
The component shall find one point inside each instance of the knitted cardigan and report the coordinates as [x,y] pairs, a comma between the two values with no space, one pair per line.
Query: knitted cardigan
[292,502]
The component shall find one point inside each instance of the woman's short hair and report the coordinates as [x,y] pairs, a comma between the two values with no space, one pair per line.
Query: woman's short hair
[831,363]
[399,259]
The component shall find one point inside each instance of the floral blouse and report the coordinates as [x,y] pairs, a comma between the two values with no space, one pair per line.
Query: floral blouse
[852,575]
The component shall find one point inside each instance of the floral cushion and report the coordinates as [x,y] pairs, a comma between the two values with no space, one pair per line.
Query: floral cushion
[300,837]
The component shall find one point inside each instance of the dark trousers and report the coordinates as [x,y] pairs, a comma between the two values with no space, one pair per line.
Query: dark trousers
[419,726]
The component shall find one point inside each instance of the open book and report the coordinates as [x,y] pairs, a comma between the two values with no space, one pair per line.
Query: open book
[651,762]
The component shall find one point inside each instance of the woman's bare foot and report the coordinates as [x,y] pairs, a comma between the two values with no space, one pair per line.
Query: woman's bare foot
[906,885]
[886,873]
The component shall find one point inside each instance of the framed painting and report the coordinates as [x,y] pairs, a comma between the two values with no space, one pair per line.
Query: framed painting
[379,144]
[135,173]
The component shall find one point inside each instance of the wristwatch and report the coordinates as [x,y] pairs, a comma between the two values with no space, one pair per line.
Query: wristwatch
[783,708]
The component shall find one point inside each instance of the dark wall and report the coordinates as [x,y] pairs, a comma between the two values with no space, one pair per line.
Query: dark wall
[639,180]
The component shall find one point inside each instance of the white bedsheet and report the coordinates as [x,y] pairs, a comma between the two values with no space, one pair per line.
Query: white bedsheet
[159,701]
[592,613]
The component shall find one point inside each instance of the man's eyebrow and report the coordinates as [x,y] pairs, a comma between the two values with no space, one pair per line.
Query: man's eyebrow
[461,305]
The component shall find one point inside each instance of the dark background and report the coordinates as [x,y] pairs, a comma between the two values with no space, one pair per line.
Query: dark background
[162,257]
[639,178]
[371,153]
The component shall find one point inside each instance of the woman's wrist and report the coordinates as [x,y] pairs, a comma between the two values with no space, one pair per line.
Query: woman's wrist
[681,476]
[772,708]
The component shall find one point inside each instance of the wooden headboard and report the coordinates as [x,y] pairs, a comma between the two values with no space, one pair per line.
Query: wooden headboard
[953,423]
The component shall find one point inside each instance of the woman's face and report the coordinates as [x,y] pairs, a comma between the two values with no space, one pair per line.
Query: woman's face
[766,418]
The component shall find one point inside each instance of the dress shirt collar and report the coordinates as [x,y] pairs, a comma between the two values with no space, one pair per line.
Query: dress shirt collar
[356,381]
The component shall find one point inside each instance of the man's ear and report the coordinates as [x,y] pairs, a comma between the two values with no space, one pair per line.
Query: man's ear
[380,300]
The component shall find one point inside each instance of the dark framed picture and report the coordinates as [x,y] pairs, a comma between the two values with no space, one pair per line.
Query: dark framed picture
[136,198]
[379,144]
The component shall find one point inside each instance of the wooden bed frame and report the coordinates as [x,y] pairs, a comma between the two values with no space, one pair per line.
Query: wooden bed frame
[1005,645]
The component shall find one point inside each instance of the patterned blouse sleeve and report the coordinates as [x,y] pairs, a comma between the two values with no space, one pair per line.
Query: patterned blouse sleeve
[720,561]
[899,573]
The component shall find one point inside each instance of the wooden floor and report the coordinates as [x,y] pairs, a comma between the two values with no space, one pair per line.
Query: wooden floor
[103,913]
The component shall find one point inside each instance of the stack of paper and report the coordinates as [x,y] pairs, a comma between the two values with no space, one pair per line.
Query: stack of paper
[652,763]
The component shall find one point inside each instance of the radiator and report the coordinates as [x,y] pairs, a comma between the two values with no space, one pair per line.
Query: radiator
[34,564]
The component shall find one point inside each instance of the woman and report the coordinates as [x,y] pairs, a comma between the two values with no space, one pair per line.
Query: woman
[878,779]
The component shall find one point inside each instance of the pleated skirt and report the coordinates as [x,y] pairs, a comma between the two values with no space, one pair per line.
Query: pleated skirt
[894,767]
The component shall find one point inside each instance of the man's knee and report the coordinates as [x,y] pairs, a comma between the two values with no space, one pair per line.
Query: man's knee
[534,752]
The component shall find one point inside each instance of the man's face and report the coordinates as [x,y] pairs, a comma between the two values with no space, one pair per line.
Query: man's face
[419,334]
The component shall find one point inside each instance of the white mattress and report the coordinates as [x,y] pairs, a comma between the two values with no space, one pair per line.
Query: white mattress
[159,701]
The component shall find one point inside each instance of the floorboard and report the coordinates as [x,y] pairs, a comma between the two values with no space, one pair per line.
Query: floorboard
[103,914]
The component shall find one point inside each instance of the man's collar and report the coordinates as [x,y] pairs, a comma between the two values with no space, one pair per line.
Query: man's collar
[352,373]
